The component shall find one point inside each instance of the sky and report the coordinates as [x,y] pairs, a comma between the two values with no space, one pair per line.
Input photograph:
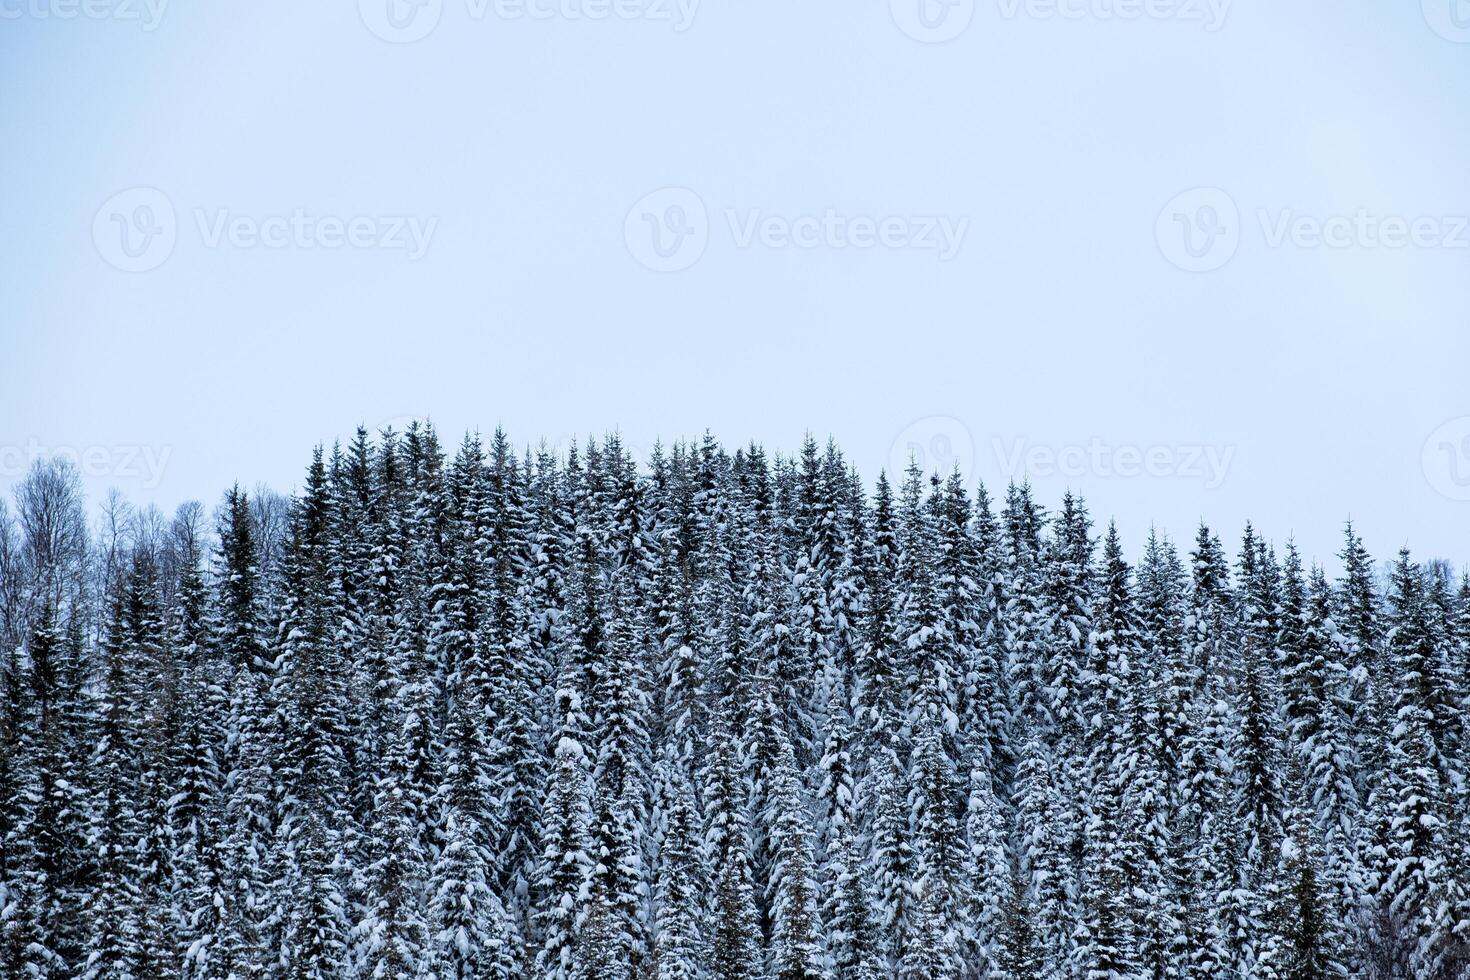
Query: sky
[1189,258]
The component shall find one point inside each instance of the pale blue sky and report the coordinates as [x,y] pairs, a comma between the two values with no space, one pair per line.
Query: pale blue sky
[1295,383]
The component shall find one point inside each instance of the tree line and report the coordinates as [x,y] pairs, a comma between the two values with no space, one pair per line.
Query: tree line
[502,712]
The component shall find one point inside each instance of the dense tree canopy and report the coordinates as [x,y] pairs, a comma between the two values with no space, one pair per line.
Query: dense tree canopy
[493,714]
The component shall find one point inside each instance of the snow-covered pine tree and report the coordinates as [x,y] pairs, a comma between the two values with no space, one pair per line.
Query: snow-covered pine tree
[988,869]
[561,876]
[247,825]
[681,947]
[835,796]
[1021,610]
[514,638]
[892,853]
[1043,858]
[1411,793]
[1022,955]
[310,915]
[1305,919]
[618,889]
[196,751]
[1357,613]
[879,692]
[851,934]
[48,844]
[393,937]
[472,934]
[933,943]
[1327,747]
[959,597]
[797,951]
[1104,940]
[237,623]
[735,940]
[113,911]
[1067,583]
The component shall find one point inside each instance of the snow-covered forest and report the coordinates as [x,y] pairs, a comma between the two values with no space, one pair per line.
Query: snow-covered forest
[489,712]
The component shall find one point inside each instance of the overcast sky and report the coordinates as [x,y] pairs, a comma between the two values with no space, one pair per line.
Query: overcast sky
[1188,257]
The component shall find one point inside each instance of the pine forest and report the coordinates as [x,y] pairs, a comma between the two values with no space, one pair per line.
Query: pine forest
[491,711]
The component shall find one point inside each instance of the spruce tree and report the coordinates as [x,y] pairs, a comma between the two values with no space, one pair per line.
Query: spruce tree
[796,942]
[893,867]
[565,860]
[1306,920]
[681,948]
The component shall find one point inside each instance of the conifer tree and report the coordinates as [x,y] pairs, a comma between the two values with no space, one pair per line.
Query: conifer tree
[680,950]
[892,855]
[196,752]
[1043,858]
[851,934]
[1020,607]
[796,941]
[988,869]
[472,933]
[1411,793]
[933,944]
[1022,955]
[879,700]
[565,862]
[46,847]
[1066,578]
[618,885]
[1357,614]
[1103,942]
[394,934]
[1306,916]
[735,940]
[114,909]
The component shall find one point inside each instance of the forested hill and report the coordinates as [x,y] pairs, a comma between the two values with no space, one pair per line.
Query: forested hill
[490,713]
